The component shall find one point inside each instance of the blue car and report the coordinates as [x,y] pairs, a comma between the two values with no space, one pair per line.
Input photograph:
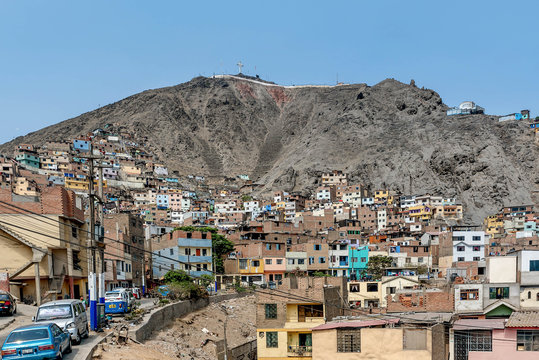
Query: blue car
[36,342]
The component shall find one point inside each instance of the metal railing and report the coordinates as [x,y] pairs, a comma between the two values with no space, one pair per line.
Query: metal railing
[300,350]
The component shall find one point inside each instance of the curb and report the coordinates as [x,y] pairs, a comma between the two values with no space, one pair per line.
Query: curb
[2,327]
[90,353]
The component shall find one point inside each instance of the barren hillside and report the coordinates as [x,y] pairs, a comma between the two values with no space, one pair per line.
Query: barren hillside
[390,134]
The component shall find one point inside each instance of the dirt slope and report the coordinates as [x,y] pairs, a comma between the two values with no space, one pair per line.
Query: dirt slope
[390,134]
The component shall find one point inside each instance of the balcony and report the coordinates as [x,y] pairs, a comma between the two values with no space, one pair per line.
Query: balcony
[297,351]
[199,273]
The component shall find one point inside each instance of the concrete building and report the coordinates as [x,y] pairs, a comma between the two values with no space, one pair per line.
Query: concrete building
[468,246]
[284,321]
[193,251]
[377,339]
[43,240]
[124,247]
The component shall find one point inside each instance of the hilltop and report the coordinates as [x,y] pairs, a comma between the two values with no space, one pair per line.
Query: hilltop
[391,135]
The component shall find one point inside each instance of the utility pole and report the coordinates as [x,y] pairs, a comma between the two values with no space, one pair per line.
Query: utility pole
[101,248]
[92,272]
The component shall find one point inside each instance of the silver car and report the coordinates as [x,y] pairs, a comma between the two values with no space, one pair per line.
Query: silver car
[69,315]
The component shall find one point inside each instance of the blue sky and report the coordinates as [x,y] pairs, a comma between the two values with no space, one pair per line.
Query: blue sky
[59,59]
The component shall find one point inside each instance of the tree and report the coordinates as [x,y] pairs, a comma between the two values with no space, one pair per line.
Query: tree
[176,277]
[377,265]
[221,246]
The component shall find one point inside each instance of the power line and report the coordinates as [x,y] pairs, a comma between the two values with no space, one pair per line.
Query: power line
[105,237]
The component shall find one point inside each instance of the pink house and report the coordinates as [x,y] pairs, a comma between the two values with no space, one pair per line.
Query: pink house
[497,339]
[274,268]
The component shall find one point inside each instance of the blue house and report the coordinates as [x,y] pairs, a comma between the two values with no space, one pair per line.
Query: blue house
[359,258]
[81,145]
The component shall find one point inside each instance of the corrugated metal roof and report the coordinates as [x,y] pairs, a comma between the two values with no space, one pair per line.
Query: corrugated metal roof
[355,324]
[524,319]
[479,324]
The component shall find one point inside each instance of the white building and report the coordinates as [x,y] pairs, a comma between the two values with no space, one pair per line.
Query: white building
[468,246]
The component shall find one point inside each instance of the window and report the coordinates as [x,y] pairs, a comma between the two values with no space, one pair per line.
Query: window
[420,259]
[272,340]
[291,261]
[473,340]
[372,287]
[476,238]
[476,258]
[311,260]
[458,238]
[363,259]
[354,287]
[477,248]
[305,311]
[534,265]
[354,259]
[243,264]
[499,293]
[527,340]
[460,248]
[268,246]
[268,261]
[469,294]
[271,311]
[301,261]
[322,260]
[460,258]
[74,231]
[204,252]
[171,266]
[171,251]
[279,261]
[391,289]
[414,339]
[256,263]
[278,246]
[348,340]
[415,249]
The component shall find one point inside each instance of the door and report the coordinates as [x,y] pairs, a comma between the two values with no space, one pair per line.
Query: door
[270,277]
[305,340]
[76,291]
[301,313]
[198,252]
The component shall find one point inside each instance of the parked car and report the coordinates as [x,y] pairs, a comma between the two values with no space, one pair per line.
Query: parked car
[117,301]
[8,304]
[36,342]
[70,315]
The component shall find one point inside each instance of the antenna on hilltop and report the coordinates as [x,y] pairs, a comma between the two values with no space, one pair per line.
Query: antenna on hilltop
[240,65]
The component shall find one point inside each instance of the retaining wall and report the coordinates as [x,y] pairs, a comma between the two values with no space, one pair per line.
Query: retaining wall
[162,317]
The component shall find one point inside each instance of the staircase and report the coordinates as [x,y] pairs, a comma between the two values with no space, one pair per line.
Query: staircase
[55,285]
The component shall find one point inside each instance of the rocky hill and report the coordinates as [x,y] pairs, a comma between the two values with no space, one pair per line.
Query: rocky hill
[390,134]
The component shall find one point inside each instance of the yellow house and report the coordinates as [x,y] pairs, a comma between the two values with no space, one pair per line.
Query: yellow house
[366,294]
[42,243]
[80,185]
[493,225]
[286,315]
[377,339]
[381,194]
[420,212]
[251,266]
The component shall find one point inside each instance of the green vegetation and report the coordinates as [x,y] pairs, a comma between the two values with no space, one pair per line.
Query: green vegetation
[246,198]
[377,265]
[182,287]
[221,246]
